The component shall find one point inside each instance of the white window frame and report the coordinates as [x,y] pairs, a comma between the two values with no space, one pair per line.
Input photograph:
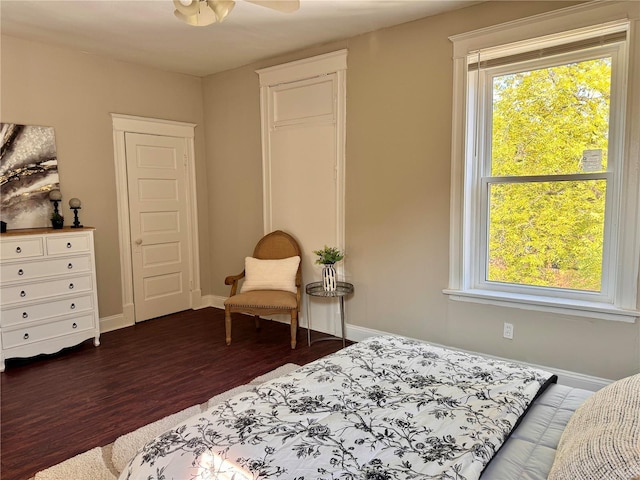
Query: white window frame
[483,179]
[618,297]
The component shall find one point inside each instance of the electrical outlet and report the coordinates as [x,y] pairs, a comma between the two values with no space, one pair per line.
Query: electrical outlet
[508,331]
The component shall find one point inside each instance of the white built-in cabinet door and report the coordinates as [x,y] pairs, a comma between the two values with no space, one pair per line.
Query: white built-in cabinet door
[303,163]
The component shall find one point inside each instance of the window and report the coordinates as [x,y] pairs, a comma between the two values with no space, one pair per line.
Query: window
[543,209]
[544,172]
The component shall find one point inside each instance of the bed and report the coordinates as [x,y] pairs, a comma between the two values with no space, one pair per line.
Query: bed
[386,408]
[531,448]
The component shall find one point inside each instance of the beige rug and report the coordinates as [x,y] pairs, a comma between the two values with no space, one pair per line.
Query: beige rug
[106,463]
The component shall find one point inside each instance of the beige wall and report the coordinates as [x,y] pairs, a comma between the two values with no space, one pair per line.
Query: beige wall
[234,169]
[399,92]
[75,93]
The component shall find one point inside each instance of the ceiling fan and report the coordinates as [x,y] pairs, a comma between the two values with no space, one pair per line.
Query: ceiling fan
[205,12]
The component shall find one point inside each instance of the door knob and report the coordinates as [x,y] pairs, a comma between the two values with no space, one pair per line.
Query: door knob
[139,241]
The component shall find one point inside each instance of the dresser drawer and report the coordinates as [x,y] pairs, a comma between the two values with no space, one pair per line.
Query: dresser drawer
[29,313]
[57,245]
[21,248]
[23,336]
[44,268]
[33,291]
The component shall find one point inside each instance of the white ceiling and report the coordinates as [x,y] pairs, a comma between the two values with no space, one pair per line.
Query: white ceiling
[146,31]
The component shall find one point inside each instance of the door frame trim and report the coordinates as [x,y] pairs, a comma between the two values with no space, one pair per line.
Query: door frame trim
[123,124]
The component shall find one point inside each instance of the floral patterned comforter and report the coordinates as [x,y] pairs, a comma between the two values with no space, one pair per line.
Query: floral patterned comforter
[386,408]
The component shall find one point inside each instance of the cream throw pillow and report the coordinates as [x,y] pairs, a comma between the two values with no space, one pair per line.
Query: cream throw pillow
[602,438]
[270,274]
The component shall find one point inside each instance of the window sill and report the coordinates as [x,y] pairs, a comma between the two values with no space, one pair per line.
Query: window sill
[603,311]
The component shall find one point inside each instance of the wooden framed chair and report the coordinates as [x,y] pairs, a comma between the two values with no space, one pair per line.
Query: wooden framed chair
[277,245]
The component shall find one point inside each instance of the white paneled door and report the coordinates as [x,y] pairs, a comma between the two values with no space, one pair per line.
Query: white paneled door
[304,195]
[156,179]
[303,105]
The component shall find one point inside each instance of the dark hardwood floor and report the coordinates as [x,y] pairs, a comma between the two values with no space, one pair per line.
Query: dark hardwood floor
[54,407]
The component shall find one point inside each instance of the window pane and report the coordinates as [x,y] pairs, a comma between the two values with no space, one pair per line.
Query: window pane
[551,121]
[547,234]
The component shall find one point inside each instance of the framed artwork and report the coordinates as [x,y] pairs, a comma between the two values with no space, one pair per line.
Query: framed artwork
[28,172]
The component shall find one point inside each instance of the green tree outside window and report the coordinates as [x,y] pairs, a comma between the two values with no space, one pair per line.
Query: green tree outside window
[549,233]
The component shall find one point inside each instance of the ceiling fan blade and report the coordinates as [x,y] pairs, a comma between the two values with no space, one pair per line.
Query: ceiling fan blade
[284,6]
[221,8]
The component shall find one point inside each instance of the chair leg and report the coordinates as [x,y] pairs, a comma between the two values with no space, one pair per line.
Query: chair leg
[227,325]
[257,319]
[294,328]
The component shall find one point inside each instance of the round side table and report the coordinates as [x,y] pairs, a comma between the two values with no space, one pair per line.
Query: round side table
[316,289]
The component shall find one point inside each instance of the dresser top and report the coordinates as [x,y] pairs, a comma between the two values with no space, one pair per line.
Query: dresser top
[43,231]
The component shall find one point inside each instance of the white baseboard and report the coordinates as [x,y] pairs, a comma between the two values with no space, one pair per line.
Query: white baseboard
[565,377]
[129,313]
[196,299]
[357,334]
[213,301]
[114,322]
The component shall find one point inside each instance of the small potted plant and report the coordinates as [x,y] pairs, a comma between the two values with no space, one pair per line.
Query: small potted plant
[327,257]
[57,220]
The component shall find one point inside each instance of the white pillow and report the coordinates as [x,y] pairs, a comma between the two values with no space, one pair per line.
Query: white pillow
[270,274]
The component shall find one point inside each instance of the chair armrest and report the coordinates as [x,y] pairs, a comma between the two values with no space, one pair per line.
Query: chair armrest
[233,281]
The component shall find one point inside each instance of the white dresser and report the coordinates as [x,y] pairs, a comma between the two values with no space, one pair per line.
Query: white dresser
[48,296]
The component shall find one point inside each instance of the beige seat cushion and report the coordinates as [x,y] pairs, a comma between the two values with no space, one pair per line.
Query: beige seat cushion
[263,299]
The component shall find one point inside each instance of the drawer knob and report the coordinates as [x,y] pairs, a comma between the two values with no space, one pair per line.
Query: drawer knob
[18,250]
[71,286]
[73,306]
[70,266]
[75,325]
[20,272]
[25,315]
[68,244]
[23,293]
[26,336]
